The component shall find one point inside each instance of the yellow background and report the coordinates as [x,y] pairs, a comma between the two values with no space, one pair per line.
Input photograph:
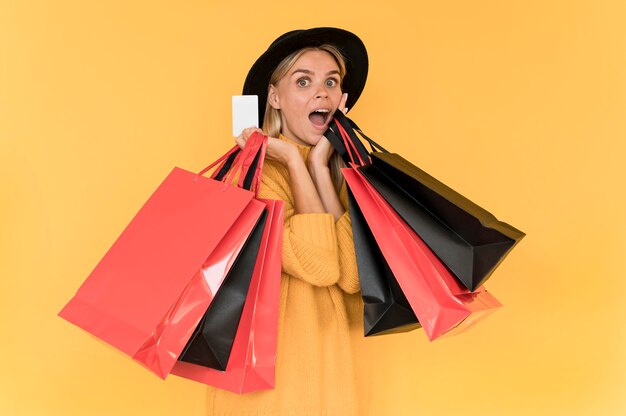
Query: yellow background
[519,105]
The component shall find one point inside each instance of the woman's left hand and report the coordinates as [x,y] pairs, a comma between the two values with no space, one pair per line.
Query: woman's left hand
[278,150]
[320,154]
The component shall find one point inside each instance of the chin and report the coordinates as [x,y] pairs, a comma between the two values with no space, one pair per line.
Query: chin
[311,139]
[314,137]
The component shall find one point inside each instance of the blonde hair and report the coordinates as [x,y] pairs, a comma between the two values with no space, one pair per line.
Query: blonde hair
[272,124]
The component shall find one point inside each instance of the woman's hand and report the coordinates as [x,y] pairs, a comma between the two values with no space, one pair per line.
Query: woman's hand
[317,165]
[320,154]
[342,103]
[278,150]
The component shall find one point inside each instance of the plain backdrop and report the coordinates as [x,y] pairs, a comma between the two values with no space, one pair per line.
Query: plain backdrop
[518,105]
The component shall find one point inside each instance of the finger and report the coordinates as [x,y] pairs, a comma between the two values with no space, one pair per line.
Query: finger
[324,144]
[241,142]
[249,130]
[323,141]
[345,110]
[246,133]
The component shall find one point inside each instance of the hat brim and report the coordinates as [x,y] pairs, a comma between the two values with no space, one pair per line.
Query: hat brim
[350,46]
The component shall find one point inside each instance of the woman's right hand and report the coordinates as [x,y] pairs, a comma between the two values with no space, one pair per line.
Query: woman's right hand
[278,150]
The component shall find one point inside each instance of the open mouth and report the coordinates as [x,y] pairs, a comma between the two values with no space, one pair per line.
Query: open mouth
[320,117]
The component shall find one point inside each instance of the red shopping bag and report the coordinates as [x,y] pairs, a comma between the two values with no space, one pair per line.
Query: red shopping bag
[447,306]
[252,361]
[438,300]
[480,303]
[151,272]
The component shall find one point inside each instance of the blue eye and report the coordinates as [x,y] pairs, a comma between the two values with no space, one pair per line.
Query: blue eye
[331,82]
[302,82]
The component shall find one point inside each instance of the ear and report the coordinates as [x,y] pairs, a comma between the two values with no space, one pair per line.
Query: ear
[272,97]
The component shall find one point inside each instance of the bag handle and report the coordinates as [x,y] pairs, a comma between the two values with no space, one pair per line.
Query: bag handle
[341,121]
[338,138]
[352,150]
[336,142]
[373,145]
[333,134]
[257,166]
[350,126]
[253,165]
[228,157]
[226,164]
[248,161]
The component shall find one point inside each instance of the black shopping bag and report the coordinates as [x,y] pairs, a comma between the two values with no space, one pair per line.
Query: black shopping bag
[212,341]
[386,309]
[469,240]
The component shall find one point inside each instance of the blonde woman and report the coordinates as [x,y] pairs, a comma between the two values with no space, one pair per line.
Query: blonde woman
[301,80]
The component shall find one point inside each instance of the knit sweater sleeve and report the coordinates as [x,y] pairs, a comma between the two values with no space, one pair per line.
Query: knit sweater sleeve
[349,274]
[310,249]
[316,249]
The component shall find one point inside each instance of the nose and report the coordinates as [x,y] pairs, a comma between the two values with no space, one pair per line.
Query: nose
[321,92]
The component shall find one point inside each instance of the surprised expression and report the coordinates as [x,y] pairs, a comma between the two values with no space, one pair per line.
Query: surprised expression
[307,96]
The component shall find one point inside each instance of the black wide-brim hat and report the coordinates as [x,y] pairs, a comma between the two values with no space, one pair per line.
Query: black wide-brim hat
[350,46]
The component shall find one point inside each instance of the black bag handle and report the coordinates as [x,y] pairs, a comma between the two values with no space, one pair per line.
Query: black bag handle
[247,182]
[373,145]
[333,135]
[350,126]
[357,145]
[249,172]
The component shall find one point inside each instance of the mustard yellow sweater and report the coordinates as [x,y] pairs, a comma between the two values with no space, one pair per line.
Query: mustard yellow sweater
[320,328]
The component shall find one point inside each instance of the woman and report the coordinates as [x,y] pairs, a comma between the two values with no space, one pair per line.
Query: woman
[301,80]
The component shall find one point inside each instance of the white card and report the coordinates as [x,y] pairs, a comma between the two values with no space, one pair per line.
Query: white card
[245,112]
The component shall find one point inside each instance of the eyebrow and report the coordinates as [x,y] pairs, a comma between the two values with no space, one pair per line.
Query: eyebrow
[308,72]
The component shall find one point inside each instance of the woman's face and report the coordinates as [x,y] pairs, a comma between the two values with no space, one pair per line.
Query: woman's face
[307,96]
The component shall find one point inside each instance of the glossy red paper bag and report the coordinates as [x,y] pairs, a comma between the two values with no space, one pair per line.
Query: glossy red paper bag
[252,361]
[151,273]
[481,304]
[438,300]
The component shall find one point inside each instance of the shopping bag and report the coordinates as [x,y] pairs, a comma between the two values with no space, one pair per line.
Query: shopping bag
[145,297]
[251,366]
[437,298]
[385,308]
[211,342]
[480,303]
[433,273]
[467,238]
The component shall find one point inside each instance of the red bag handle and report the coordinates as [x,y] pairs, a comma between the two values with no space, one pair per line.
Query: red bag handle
[254,149]
[221,159]
[257,144]
[255,161]
[350,147]
[240,160]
